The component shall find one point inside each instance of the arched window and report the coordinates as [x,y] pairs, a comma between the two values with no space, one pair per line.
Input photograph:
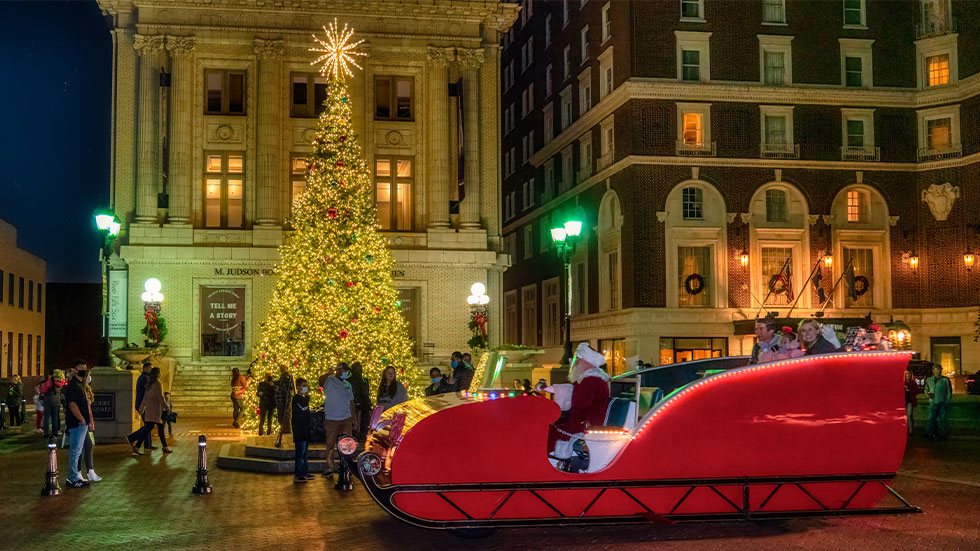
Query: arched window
[860,227]
[779,258]
[696,246]
[610,252]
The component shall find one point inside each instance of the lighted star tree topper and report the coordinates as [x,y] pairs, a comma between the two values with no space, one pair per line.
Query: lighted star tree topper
[335,299]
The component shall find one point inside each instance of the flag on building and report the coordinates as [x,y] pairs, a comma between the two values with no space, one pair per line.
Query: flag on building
[818,285]
[849,276]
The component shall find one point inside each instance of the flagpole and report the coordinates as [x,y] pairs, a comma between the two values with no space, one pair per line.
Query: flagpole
[762,304]
[805,283]
[836,283]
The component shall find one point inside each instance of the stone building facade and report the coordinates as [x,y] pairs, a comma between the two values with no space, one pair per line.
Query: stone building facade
[23,284]
[689,132]
[214,107]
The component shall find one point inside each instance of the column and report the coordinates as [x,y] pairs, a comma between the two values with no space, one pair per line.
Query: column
[268,166]
[124,110]
[181,48]
[490,142]
[437,136]
[469,209]
[148,161]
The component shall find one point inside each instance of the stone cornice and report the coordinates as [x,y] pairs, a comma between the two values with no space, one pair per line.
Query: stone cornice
[268,49]
[438,55]
[145,44]
[471,58]
[180,45]
[499,15]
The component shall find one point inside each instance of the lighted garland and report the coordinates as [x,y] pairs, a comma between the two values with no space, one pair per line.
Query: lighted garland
[334,299]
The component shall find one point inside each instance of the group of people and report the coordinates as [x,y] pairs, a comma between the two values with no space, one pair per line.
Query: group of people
[154,408]
[776,345]
[458,380]
[939,390]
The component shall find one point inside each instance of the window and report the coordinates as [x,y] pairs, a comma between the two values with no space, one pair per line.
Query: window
[580,288]
[855,132]
[309,92]
[776,206]
[393,98]
[564,13]
[524,102]
[606,22]
[614,351]
[857,206]
[945,351]
[530,142]
[585,154]
[692,9]
[549,180]
[606,73]
[393,181]
[692,199]
[566,56]
[10,289]
[777,132]
[544,238]
[30,296]
[224,190]
[863,262]
[548,119]
[937,70]
[510,317]
[690,65]
[776,262]
[607,142]
[854,13]
[612,281]
[692,129]
[694,266]
[773,11]
[38,293]
[567,170]
[222,321]
[856,62]
[677,350]
[508,214]
[858,135]
[584,43]
[531,192]
[852,72]
[37,354]
[530,50]
[939,133]
[30,341]
[566,107]
[692,55]
[547,30]
[528,241]
[529,315]
[297,181]
[775,59]
[10,351]
[1,294]
[20,293]
[548,84]
[20,354]
[525,191]
[584,91]
[224,92]
[551,312]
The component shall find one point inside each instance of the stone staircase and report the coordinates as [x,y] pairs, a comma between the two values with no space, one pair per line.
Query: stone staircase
[203,390]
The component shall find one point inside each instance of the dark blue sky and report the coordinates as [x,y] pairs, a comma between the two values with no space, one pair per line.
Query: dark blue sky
[55,61]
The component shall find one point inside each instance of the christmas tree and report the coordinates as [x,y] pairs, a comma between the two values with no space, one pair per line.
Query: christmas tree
[334,299]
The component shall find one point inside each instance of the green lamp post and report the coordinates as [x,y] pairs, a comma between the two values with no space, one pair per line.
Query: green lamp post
[565,238]
[108,226]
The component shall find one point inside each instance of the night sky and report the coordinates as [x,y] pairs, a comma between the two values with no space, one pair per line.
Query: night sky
[55,61]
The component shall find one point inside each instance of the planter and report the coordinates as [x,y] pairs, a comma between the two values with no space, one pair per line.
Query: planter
[160,349]
[133,355]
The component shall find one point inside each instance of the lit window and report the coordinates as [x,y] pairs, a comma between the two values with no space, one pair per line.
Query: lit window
[393,179]
[694,261]
[224,190]
[939,133]
[692,129]
[776,208]
[306,86]
[691,203]
[857,206]
[691,65]
[938,69]
[852,72]
[776,262]
[863,262]
[297,180]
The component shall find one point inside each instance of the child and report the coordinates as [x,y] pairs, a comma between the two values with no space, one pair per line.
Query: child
[170,407]
[300,420]
[791,345]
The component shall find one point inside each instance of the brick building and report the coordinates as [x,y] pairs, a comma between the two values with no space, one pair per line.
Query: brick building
[214,107]
[23,283]
[689,132]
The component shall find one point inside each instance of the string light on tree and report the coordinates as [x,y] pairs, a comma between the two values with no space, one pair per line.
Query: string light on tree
[335,298]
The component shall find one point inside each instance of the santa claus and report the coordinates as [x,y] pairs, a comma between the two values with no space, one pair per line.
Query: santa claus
[589,396]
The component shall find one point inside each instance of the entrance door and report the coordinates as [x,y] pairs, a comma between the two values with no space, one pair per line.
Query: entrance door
[411,309]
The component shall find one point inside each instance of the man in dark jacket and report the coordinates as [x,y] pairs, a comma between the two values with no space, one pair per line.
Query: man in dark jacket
[300,421]
[439,383]
[362,400]
[140,391]
[266,393]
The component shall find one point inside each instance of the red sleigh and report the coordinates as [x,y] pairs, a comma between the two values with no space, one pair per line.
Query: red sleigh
[814,436]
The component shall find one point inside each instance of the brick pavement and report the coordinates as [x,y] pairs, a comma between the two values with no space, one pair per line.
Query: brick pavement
[146,502]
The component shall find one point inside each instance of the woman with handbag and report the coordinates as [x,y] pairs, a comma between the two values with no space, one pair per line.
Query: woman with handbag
[152,408]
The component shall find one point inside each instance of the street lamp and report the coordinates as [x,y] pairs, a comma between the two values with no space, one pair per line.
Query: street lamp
[478,301]
[108,226]
[828,260]
[565,237]
[968,259]
[743,258]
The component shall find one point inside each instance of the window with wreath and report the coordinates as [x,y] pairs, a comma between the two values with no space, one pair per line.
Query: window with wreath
[393,180]
[776,281]
[694,276]
[224,190]
[861,295]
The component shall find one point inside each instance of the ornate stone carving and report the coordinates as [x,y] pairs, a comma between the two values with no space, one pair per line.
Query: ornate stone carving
[730,216]
[307,135]
[440,56]
[148,44]
[661,216]
[813,218]
[268,49]
[893,221]
[940,199]
[180,45]
[470,57]
[746,217]
[224,132]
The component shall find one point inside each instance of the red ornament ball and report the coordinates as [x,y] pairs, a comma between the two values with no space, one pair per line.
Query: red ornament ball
[353,320]
[339,163]
[332,213]
[343,334]
[350,283]
[377,309]
[340,183]
[343,138]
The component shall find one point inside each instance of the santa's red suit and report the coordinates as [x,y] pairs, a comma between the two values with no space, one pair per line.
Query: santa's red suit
[590,399]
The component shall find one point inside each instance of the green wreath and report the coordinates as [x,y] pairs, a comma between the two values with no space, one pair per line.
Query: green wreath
[694,284]
[777,279]
[861,285]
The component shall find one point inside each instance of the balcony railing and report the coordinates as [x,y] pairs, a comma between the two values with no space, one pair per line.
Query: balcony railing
[694,150]
[950,151]
[604,160]
[780,150]
[938,27]
[860,153]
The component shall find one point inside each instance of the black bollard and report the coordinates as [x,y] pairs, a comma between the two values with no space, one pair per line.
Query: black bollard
[203,485]
[23,411]
[51,487]
[3,415]
[346,446]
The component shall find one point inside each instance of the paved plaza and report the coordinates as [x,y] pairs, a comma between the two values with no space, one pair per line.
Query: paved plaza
[146,502]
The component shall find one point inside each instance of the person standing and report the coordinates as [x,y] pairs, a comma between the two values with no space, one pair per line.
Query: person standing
[78,423]
[765,330]
[266,393]
[50,391]
[152,410]
[338,411]
[169,406]
[465,372]
[88,450]
[939,389]
[391,391]
[911,391]
[300,421]
[140,391]
[362,400]
[284,392]
[239,383]
[14,395]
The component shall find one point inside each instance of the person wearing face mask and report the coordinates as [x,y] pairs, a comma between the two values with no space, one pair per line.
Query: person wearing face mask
[439,383]
[88,450]
[463,371]
[338,411]
[300,424]
[78,423]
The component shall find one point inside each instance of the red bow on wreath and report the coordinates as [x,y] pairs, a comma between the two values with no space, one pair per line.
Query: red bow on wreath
[481,322]
[151,322]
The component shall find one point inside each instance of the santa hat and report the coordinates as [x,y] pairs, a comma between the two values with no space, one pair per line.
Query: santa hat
[585,352]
